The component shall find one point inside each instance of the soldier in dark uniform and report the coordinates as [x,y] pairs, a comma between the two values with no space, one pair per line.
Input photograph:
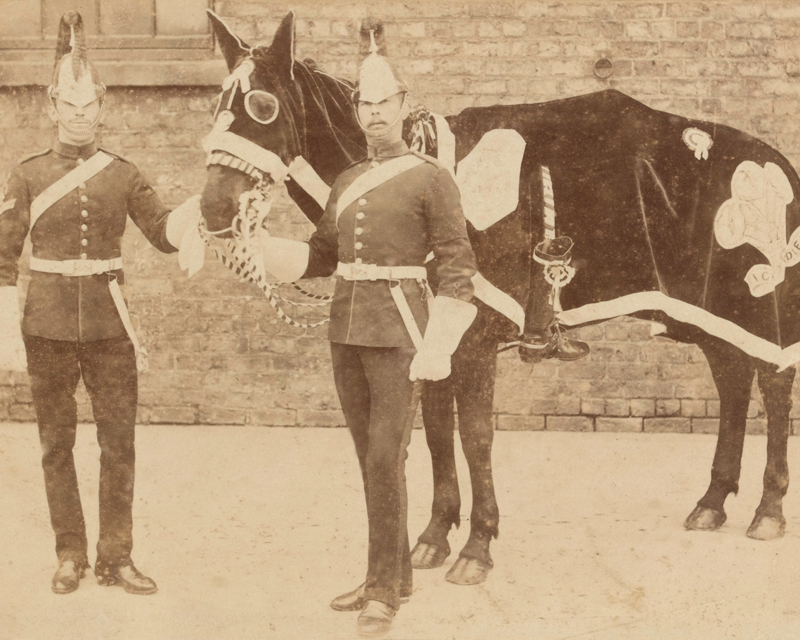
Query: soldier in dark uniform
[74,200]
[385,214]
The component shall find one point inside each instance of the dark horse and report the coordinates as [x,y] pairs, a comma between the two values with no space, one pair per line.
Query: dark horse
[671,219]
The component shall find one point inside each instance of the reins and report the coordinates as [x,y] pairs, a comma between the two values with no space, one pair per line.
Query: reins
[242,253]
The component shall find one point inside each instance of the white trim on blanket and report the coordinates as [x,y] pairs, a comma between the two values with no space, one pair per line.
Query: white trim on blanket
[499,300]
[684,312]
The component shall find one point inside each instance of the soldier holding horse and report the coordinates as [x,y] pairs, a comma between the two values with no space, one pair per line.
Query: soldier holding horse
[689,200]
[384,215]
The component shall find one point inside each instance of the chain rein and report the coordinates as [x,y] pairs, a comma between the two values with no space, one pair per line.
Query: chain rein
[242,253]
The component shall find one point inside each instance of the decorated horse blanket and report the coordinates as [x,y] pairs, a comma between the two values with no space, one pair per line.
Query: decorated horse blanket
[688,218]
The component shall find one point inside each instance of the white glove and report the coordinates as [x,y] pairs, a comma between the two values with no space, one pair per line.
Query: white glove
[183,234]
[12,349]
[429,365]
[449,320]
[287,260]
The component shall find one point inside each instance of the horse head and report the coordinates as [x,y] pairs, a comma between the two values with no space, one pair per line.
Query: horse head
[277,119]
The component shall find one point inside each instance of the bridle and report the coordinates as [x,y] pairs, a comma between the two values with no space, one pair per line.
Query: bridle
[241,253]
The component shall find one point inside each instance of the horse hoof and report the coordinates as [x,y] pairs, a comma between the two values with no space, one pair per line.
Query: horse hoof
[426,556]
[468,571]
[766,528]
[705,519]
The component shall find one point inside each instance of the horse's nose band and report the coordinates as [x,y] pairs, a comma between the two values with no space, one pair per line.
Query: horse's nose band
[227,160]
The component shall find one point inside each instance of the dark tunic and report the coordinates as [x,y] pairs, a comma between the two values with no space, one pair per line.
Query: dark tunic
[87,223]
[398,223]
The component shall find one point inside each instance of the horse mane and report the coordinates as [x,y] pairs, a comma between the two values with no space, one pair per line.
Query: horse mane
[330,137]
[324,120]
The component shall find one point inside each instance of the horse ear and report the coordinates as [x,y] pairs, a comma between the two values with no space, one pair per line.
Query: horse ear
[283,45]
[232,47]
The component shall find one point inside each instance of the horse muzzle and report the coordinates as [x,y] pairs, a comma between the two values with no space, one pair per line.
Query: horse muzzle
[219,202]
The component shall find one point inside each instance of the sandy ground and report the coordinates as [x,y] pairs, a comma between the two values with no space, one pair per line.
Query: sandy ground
[250,532]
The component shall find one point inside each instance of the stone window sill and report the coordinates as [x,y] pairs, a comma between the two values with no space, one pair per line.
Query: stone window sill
[144,73]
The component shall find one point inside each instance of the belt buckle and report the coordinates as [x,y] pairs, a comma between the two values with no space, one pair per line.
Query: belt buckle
[359,271]
[81,268]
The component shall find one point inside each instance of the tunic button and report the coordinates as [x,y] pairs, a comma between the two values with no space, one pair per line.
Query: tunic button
[84,242]
[359,245]
[84,199]
[84,227]
[359,231]
[358,260]
[84,256]
[362,202]
[80,160]
[85,213]
[82,185]
[360,215]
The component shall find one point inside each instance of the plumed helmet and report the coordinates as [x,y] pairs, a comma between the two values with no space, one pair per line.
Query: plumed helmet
[75,79]
[377,79]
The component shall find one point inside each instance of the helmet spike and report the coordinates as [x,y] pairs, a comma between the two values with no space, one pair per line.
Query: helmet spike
[377,79]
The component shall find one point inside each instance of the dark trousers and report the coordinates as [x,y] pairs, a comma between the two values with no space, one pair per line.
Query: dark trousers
[109,373]
[379,402]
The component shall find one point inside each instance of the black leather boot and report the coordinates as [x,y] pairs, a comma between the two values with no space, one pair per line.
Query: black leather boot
[537,346]
[355,600]
[543,337]
[68,576]
[125,575]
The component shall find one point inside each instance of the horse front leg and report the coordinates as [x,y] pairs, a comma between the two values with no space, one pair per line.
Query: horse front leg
[733,372]
[438,418]
[474,372]
[776,391]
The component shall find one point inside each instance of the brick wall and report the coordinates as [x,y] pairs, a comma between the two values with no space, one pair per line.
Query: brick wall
[218,353]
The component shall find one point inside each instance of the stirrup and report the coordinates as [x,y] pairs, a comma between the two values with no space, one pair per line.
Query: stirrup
[566,349]
[536,351]
[558,346]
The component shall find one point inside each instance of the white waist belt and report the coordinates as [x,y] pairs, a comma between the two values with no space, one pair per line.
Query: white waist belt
[76,267]
[375,272]
[350,271]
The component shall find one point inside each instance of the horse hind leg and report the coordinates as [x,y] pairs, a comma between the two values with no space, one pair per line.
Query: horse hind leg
[733,373]
[474,370]
[432,547]
[776,391]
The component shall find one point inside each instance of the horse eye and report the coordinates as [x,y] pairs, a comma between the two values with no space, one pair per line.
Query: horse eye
[261,106]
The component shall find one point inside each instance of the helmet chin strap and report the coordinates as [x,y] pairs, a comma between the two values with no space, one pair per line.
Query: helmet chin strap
[79,134]
[381,133]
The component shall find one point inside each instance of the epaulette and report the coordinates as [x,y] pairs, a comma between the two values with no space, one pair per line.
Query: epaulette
[35,155]
[113,155]
[434,161]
